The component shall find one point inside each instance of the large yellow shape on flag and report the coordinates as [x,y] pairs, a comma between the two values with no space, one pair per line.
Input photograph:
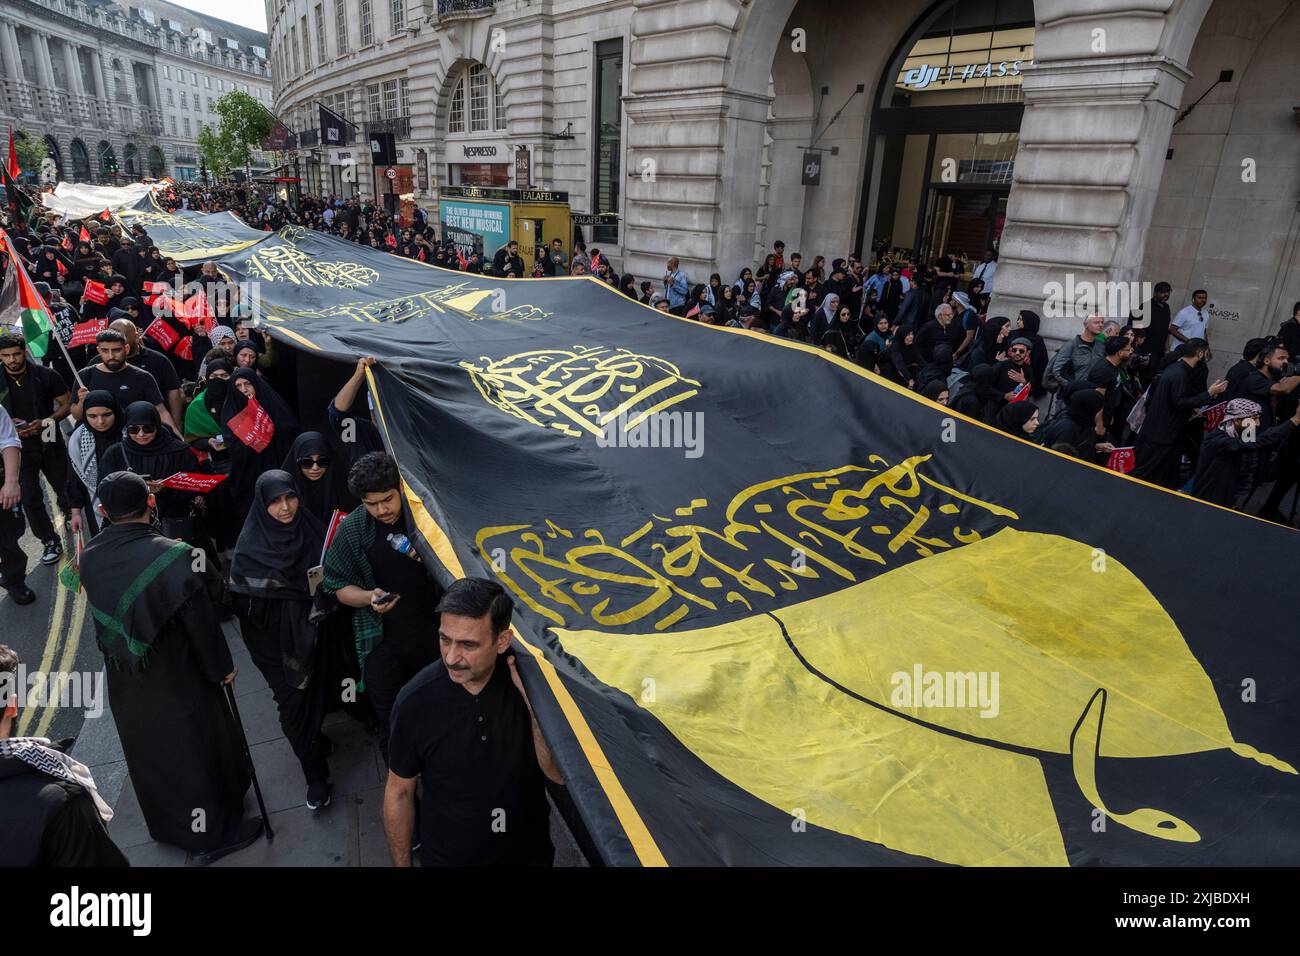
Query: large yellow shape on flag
[843,709]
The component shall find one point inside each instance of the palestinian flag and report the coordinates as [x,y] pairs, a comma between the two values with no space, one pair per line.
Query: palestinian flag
[20,296]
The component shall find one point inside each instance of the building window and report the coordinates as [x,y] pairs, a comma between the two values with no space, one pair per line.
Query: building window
[367,24]
[185,124]
[397,11]
[293,48]
[194,78]
[207,82]
[306,45]
[171,98]
[480,99]
[341,25]
[456,114]
[404,92]
[167,72]
[171,125]
[375,104]
[498,106]
[608,159]
[185,100]
[390,99]
[321,55]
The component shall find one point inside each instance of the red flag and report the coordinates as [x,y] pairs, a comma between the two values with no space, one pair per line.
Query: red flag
[14,169]
[185,349]
[153,291]
[253,426]
[192,481]
[391,242]
[84,236]
[1122,460]
[163,334]
[66,243]
[95,292]
[696,311]
[105,216]
[1214,415]
[83,333]
[1020,394]
[460,257]
[197,313]
[63,270]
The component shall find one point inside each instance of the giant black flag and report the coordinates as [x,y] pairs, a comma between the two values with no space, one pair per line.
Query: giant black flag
[783,612]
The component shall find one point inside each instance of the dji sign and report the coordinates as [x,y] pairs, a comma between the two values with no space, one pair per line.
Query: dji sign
[812,169]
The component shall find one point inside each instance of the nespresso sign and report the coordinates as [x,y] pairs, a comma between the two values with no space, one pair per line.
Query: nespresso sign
[480,151]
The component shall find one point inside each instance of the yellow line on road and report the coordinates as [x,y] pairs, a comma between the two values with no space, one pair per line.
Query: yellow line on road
[55,632]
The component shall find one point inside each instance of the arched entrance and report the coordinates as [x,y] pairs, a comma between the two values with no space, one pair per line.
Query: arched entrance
[80,161]
[157,163]
[131,161]
[107,162]
[52,150]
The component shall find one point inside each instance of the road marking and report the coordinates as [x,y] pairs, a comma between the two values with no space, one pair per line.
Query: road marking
[55,631]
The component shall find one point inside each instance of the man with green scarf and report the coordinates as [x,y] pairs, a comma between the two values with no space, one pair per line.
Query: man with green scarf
[373,567]
[152,601]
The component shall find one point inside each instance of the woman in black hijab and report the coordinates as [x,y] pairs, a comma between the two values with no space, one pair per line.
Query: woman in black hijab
[991,345]
[627,285]
[1019,419]
[153,451]
[100,429]
[321,482]
[1081,427]
[976,393]
[279,543]
[247,463]
[901,362]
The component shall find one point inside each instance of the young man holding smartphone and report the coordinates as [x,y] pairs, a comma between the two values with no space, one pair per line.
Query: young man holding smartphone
[372,566]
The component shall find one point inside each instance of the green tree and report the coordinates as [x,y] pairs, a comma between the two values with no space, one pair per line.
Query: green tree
[31,151]
[245,124]
[216,152]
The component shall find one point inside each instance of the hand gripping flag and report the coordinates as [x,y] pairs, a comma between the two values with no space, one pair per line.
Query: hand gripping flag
[253,426]
[95,292]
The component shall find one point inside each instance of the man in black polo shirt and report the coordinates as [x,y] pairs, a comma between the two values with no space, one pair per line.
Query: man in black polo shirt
[464,728]
[124,382]
[37,399]
[155,363]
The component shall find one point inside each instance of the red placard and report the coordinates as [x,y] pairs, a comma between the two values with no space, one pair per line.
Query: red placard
[191,481]
[1214,415]
[253,426]
[1122,460]
[185,349]
[95,292]
[83,333]
[163,334]
[154,290]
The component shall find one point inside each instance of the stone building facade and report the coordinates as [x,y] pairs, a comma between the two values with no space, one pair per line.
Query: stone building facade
[696,121]
[120,92]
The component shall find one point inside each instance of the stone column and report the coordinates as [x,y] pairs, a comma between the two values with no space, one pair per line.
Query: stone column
[1100,101]
[44,66]
[97,74]
[9,42]
[72,64]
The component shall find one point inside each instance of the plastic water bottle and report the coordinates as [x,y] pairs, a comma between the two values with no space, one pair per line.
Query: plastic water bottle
[402,545]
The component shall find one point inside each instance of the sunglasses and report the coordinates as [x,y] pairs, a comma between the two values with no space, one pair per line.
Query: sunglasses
[320,461]
[141,429]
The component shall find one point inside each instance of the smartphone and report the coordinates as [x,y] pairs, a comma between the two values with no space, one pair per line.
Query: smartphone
[314,577]
[388,598]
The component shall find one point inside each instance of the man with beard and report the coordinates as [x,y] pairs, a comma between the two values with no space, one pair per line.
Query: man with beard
[126,383]
[155,363]
[157,627]
[37,400]
[1155,319]
[1170,401]
[465,727]
[1274,390]
[373,567]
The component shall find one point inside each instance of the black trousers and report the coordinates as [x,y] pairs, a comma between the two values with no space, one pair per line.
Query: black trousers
[394,661]
[13,560]
[1159,464]
[51,460]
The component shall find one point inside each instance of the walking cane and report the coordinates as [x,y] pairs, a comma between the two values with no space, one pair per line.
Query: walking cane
[248,756]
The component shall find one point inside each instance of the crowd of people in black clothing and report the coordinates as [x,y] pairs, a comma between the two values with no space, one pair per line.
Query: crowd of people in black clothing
[155,425]
[173,432]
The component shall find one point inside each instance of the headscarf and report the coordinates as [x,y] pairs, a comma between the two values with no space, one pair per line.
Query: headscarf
[1084,406]
[272,558]
[327,493]
[1013,417]
[1238,409]
[276,407]
[86,446]
[247,346]
[934,390]
[220,332]
[989,335]
[1030,321]
[627,285]
[161,458]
